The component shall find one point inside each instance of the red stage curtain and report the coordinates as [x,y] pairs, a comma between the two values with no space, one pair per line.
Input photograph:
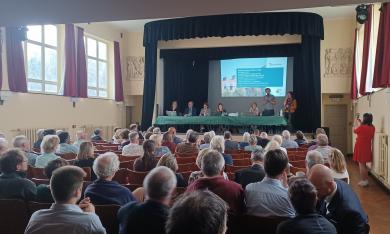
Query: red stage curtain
[354,90]
[82,79]
[118,73]
[70,79]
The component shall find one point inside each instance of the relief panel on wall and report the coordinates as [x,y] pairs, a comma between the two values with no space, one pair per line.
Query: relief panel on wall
[135,67]
[338,63]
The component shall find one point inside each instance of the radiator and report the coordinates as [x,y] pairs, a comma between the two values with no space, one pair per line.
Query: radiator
[383,149]
[31,133]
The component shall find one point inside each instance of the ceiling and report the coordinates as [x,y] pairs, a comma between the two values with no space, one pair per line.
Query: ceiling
[328,13]
[22,12]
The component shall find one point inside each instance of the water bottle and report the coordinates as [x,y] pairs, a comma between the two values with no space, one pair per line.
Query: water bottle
[281,112]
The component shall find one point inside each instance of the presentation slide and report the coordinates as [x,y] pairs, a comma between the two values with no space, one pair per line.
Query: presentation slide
[248,77]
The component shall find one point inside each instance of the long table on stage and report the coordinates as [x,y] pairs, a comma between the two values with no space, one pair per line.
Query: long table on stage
[234,121]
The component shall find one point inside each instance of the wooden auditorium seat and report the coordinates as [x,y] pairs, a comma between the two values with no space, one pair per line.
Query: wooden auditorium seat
[186,155]
[107,215]
[184,160]
[242,162]
[187,167]
[127,164]
[186,175]
[13,216]
[250,224]
[298,163]
[88,171]
[40,181]
[122,176]
[294,170]
[232,169]
[67,156]
[136,177]
[35,172]
[123,158]
[238,156]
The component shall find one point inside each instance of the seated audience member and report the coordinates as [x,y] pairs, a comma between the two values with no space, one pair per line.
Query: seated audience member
[134,128]
[287,142]
[338,166]
[3,145]
[13,182]
[2,135]
[97,135]
[245,140]
[176,139]
[206,139]
[157,130]
[212,169]
[150,216]
[338,202]
[86,157]
[230,145]
[252,144]
[323,147]
[167,141]
[104,190]
[272,145]
[169,160]
[313,158]
[205,111]
[59,131]
[279,139]
[65,147]
[43,190]
[303,197]
[197,174]
[300,140]
[133,148]
[116,139]
[159,150]
[49,146]
[81,136]
[148,160]
[208,214]
[37,143]
[270,197]
[124,136]
[23,143]
[147,135]
[263,140]
[313,143]
[254,173]
[64,216]
[190,110]
[190,146]
[218,144]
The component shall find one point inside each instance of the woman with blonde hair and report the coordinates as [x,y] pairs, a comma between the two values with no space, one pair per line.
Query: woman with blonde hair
[245,140]
[86,157]
[218,144]
[49,146]
[159,149]
[338,166]
[169,160]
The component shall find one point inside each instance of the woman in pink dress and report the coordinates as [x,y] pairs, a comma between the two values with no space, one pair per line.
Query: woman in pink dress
[362,153]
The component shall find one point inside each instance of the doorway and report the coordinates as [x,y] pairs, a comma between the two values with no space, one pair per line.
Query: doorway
[336,119]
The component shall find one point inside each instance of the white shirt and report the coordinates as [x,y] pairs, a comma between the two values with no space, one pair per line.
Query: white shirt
[132,150]
[343,175]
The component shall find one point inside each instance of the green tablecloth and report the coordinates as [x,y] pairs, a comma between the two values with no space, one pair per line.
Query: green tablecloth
[222,120]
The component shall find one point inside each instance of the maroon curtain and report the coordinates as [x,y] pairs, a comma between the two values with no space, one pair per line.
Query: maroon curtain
[382,59]
[354,78]
[1,63]
[366,48]
[82,79]
[70,79]
[15,60]
[118,73]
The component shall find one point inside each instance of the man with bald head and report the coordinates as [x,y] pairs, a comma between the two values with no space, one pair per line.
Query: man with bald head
[338,202]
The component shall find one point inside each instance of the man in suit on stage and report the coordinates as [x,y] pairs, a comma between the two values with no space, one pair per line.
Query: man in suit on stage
[338,202]
[190,110]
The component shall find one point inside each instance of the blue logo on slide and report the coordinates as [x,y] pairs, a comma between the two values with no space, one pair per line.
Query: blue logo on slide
[259,77]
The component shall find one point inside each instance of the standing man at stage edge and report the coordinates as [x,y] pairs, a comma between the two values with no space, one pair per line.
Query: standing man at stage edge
[269,102]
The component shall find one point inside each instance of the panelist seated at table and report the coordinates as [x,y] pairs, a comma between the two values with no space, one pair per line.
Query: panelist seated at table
[190,110]
[173,111]
[254,110]
[269,102]
[220,110]
[205,111]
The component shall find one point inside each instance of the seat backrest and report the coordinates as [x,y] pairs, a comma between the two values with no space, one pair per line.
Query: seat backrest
[187,167]
[127,158]
[122,176]
[238,156]
[242,162]
[13,216]
[186,175]
[127,164]
[184,160]
[68,156]
[229,168]
[88,171]
[40,181]
[294,170]
[186,155]
[252,224]
[136,177]
[35,172]
[298,163]
[107,215]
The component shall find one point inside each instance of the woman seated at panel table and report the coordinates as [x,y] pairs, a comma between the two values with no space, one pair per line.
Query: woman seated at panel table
[254,109]
[221,110]
[173,109]
[205,111]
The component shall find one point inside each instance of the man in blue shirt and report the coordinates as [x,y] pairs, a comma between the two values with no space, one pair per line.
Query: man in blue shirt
[190,110]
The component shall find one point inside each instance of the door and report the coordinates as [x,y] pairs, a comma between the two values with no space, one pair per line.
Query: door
[129,112]
[335,117]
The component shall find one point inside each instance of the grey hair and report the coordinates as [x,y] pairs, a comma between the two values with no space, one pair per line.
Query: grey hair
[2,135]
[264,135]
[253,140]
[322,139]
[106,165]
[286,135]
[157,138]
[207,137]
[278,138]
[313,157]
[3,144]
[218,144]
[246,136]
[258,155]
[212,133]
[212,163]
[133,136]
[156,130]
[188,133]
[159,183]
[18,141]
[272,145]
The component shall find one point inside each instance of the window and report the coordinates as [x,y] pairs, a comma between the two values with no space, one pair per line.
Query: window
[97,67]
[41,59]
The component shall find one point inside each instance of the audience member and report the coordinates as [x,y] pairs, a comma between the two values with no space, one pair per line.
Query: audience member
[86,157]
[58,131]
[116,139]
[37,143]
[262,138]
[151,215]
[254,173]
[300,140]
[23,143]
[176,139]
[313,143]
[64,216]
[159,150]
[124,136]
[167,141]
[65,147]
[169,160]
[134,128]
[157,130]
[43,190]
[97,135]
[218,144]
[190,110]
[323,147]
[313,158]
[2,135]
[338,202]
[272,145]
[287,142]
[206,139]
[252,144]
[270,197]
[303,197]
[230,145]
[338,166]
[104,190]
[197,174]
[148,160]
[81,136]
[245,140]
[208,214]
[3,145]
[13,182]
[212,169]
[49,146]
[189,147]
[133,148]
[279,139]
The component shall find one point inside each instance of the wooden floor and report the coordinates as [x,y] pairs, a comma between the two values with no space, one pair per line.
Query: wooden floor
[375,201]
